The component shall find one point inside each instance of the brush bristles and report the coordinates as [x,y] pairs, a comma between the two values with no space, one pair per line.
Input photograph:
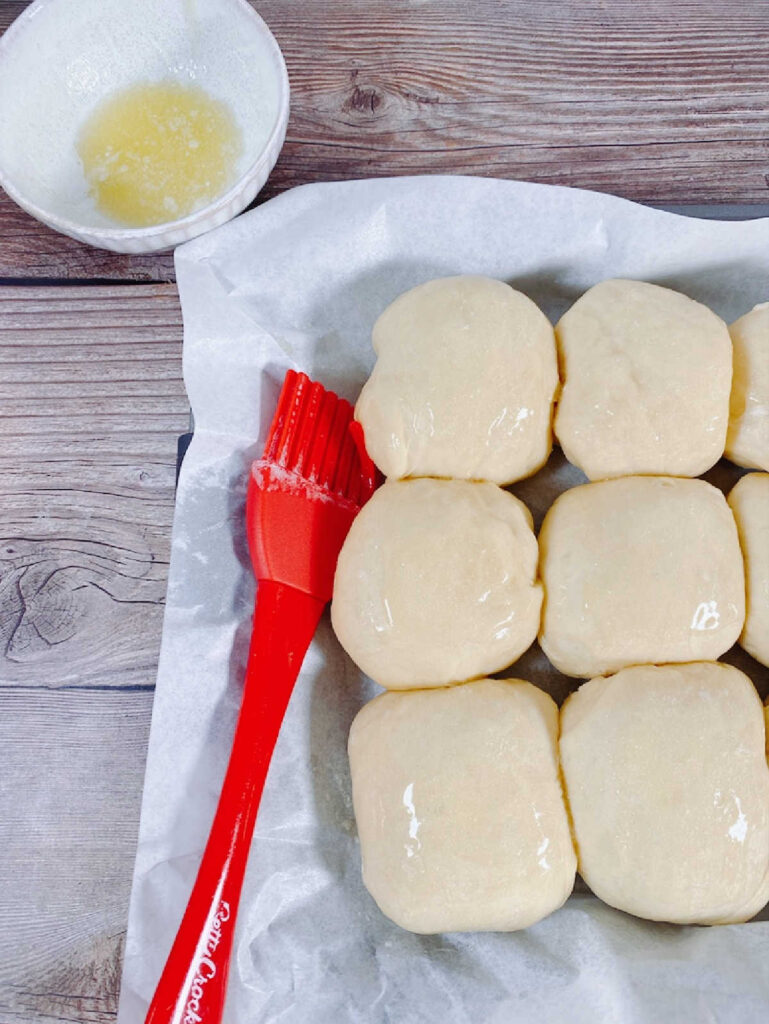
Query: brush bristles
[310,436]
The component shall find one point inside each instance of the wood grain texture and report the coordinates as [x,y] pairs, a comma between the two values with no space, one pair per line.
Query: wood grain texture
[663,101]
[67,840]
[91,403]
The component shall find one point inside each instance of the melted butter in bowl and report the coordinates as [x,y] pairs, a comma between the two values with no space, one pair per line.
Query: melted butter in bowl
[136,126]
[156,152]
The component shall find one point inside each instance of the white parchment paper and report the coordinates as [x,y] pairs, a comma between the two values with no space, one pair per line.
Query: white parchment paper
[298,283]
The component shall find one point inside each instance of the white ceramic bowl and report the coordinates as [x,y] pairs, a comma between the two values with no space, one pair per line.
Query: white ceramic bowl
[60,58]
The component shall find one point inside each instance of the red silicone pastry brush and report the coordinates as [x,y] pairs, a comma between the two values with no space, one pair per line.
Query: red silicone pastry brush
[303,495]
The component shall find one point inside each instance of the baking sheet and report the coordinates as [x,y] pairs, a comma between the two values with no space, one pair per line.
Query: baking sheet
[298,283]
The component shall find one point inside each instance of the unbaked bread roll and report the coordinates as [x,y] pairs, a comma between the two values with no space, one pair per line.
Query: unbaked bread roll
[639,570]
[437,583]
[747,441]
[463,385]
[459,807]
[749,499]
[646,376]
[668,786]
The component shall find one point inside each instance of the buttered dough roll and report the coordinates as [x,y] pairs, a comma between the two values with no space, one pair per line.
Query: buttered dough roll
[639,570]
[463,385]
[437,583]
[749,500]
[646,377]
[459,807]
[747,441]
[668,786]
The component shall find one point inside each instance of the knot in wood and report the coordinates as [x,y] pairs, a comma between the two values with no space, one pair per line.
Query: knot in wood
[364,100]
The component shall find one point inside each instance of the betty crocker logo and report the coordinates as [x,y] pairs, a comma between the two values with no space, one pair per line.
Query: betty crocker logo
[206,966]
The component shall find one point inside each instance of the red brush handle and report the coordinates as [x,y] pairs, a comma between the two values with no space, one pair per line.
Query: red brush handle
[193,985]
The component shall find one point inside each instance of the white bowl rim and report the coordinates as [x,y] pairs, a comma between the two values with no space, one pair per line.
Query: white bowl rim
[78,229]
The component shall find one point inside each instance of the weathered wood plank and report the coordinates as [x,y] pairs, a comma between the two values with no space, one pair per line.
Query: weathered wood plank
[70,790]
[91,403]
[663,102]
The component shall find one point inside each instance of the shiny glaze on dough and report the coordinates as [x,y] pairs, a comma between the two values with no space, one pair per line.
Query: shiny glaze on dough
[437,583]
[668,787]
[463,385]
[459,807]
[640,570]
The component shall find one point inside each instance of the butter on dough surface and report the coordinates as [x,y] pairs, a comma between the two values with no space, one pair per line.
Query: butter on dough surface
[749,501]
[437,583]
[463,385]
[646,377]
[668,786]
[459,807]
[639,570]
[747,440]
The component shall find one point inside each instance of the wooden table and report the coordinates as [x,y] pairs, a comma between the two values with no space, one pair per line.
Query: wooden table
[664,102]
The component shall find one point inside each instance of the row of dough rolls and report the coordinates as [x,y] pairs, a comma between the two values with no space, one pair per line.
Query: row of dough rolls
[464,826]
[442,581]
[652,382]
